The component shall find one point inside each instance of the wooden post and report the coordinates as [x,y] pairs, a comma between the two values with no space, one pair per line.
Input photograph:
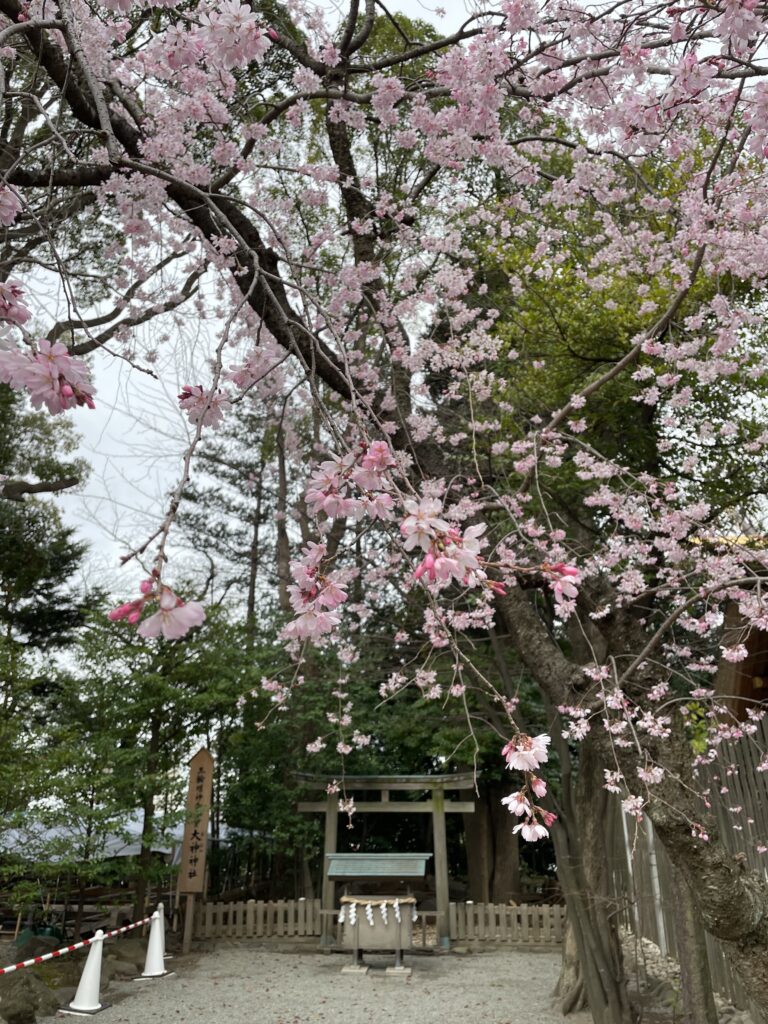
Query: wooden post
[441,867]
[189,923]
[329,887]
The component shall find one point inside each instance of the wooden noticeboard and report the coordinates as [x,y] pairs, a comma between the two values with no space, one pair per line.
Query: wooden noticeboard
[194,847]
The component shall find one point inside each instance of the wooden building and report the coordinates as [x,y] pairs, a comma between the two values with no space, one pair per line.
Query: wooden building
[743,682]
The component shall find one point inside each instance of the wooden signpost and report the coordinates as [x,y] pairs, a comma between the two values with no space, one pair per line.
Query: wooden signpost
[195,845]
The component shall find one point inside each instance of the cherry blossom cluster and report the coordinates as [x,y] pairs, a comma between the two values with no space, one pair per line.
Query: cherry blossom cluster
[342,720]
[45,370]
[258,363]
[203,406]
[449,553]
[315,595]
[12,308]
[526,754]
[208,406]
[49,374]
[359,483]
[228,36]
[231,35]
[564,584]
[173,619]
[353,485]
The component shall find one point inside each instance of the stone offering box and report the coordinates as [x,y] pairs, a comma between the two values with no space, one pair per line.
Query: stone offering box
[374,922]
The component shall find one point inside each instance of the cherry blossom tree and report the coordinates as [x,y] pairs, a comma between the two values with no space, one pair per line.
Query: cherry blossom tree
[323,195]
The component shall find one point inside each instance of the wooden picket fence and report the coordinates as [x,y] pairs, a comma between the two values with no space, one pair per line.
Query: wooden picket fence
[473,923]
[528,924]
[257,919]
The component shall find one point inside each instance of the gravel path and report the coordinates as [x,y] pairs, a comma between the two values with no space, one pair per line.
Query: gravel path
[246,984]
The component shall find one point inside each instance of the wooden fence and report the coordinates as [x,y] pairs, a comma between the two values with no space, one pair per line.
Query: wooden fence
[644,882]
[528,924]
[645,885]
[258,919]
[473,923]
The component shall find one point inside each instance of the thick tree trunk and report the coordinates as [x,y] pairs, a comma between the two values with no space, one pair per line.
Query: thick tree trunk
[583,866]
[570,991]
[283,543]
[254,556]
[477,838]
[695,979]
[307,885]
[505,862]
[732,902]
[80,908]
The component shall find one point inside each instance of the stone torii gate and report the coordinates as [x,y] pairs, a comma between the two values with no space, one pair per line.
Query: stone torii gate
[435,804]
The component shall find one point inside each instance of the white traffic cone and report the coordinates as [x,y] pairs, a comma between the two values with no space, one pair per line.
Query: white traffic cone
[87,996]
[154,966]
[161,912]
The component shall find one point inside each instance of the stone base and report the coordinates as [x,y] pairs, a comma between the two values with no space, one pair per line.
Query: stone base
[399,972]
[355,969]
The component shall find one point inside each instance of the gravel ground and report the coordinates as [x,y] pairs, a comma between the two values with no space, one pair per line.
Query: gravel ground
[246,984]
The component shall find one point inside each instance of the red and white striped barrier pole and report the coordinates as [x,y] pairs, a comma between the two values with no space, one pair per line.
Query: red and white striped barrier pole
[70,949]
[87,999]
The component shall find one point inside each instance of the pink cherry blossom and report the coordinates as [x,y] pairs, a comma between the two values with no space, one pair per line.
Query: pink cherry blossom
[517,804]
[532,831]
[10,206]
[379,506]
[11,308]
[378,457]
[423,523]
[231,35]
[12,364]
[353,485]
[50,375]
[311,625]
[131,611]
[464,550]
[174,618]
[564,586]
[633,805]
[538,786]
[314,596]
[203,407]
[526,754]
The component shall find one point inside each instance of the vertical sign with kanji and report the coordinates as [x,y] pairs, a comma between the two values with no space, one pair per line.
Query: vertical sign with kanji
[192,871]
